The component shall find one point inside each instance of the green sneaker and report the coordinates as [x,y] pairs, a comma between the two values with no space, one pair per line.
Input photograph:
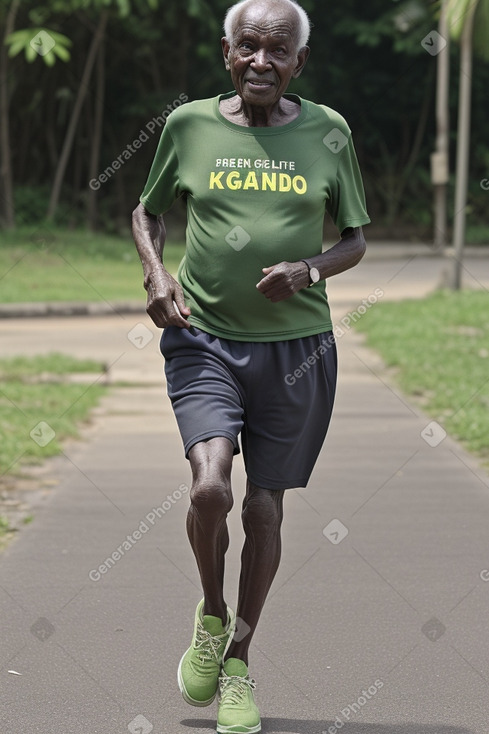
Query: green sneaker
[199,668]
[237,710]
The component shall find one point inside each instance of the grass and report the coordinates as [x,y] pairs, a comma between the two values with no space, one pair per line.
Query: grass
[438,348]
[36,391]
[64,265]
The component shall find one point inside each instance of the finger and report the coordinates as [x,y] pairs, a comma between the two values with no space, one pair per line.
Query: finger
[178,319]
[179,303]
[156,318]
[278,291]
[268,281]
[164,313]
[269,285]
[161,320]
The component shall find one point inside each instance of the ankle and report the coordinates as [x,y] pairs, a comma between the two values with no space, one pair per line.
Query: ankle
[216,611]
[236,654]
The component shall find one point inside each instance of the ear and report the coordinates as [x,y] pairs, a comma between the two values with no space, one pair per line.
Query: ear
[225,52]
[302,56]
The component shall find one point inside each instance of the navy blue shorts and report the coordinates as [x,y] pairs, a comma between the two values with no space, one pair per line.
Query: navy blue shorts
[278,395]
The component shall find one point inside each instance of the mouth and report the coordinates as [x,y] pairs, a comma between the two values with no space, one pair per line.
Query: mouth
[259,83]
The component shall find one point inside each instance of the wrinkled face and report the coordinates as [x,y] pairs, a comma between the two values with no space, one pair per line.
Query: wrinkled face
[263,56]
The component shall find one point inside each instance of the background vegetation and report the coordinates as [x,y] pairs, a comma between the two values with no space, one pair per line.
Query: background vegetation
[117,64]
[36,387]
[438,351]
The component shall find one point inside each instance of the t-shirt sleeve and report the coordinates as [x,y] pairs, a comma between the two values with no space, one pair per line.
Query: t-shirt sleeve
[163,185]
[347,204]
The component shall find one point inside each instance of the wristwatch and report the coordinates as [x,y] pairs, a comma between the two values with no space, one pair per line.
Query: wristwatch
[314,274]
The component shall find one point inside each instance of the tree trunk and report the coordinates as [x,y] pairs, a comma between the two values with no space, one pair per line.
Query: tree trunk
[6,182]
[406,166]
[440,162]
[75,115]
[463,150]
[97,138]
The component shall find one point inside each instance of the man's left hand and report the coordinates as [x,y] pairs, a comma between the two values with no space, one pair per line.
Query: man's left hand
[283,280]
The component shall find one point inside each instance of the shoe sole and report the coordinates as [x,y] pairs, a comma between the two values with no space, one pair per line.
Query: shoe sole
[181,685]
[238,729]
[183,690]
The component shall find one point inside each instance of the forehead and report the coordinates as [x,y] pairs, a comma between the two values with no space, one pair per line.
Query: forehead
[270,19]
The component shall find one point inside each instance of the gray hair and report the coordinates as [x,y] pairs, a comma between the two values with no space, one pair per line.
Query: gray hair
[233,12]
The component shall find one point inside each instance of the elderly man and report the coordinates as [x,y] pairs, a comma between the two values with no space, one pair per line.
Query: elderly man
[247,341]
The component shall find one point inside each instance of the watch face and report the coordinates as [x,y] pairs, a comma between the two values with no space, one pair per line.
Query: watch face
[315,275]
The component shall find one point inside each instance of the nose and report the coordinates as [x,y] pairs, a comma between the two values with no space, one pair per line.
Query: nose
[260,61]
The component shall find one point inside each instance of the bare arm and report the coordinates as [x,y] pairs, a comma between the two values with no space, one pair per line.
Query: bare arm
[344,255]
[163,290]
[284,279]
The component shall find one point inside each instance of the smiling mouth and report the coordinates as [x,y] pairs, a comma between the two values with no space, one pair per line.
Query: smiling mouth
[259,83]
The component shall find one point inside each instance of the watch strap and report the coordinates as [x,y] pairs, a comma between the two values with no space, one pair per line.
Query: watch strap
[309,268]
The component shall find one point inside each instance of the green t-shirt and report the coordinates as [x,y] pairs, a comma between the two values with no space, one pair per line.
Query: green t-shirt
[256,196]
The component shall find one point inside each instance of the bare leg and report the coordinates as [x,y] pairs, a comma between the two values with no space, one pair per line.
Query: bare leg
[262,517]
[210,501]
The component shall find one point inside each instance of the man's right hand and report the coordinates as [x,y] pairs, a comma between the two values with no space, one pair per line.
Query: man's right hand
[166,304]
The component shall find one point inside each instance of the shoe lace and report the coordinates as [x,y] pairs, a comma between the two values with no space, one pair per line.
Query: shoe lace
[233,688]
[208,645]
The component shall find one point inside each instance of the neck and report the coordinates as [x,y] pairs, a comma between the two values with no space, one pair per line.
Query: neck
[261,116]
[238,111]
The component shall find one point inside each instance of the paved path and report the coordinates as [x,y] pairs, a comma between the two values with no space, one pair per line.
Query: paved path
[377,620]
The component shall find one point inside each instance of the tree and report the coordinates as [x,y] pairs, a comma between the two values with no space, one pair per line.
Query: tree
[440,158]
[469,24]
[123,8]
[6,184]
[35,43]
[75,114]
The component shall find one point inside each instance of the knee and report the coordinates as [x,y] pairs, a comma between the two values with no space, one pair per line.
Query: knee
[211,463]
[263,513]
[211,494]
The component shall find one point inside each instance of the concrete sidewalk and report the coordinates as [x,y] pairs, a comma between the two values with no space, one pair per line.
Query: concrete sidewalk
[377,620]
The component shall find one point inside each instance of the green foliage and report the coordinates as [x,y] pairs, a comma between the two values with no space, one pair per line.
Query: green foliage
[39,43]
[53,363]
[438,348]
[398,25]
[31,203]
[65,265]
[28,397]
[458,11]
[366,61]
